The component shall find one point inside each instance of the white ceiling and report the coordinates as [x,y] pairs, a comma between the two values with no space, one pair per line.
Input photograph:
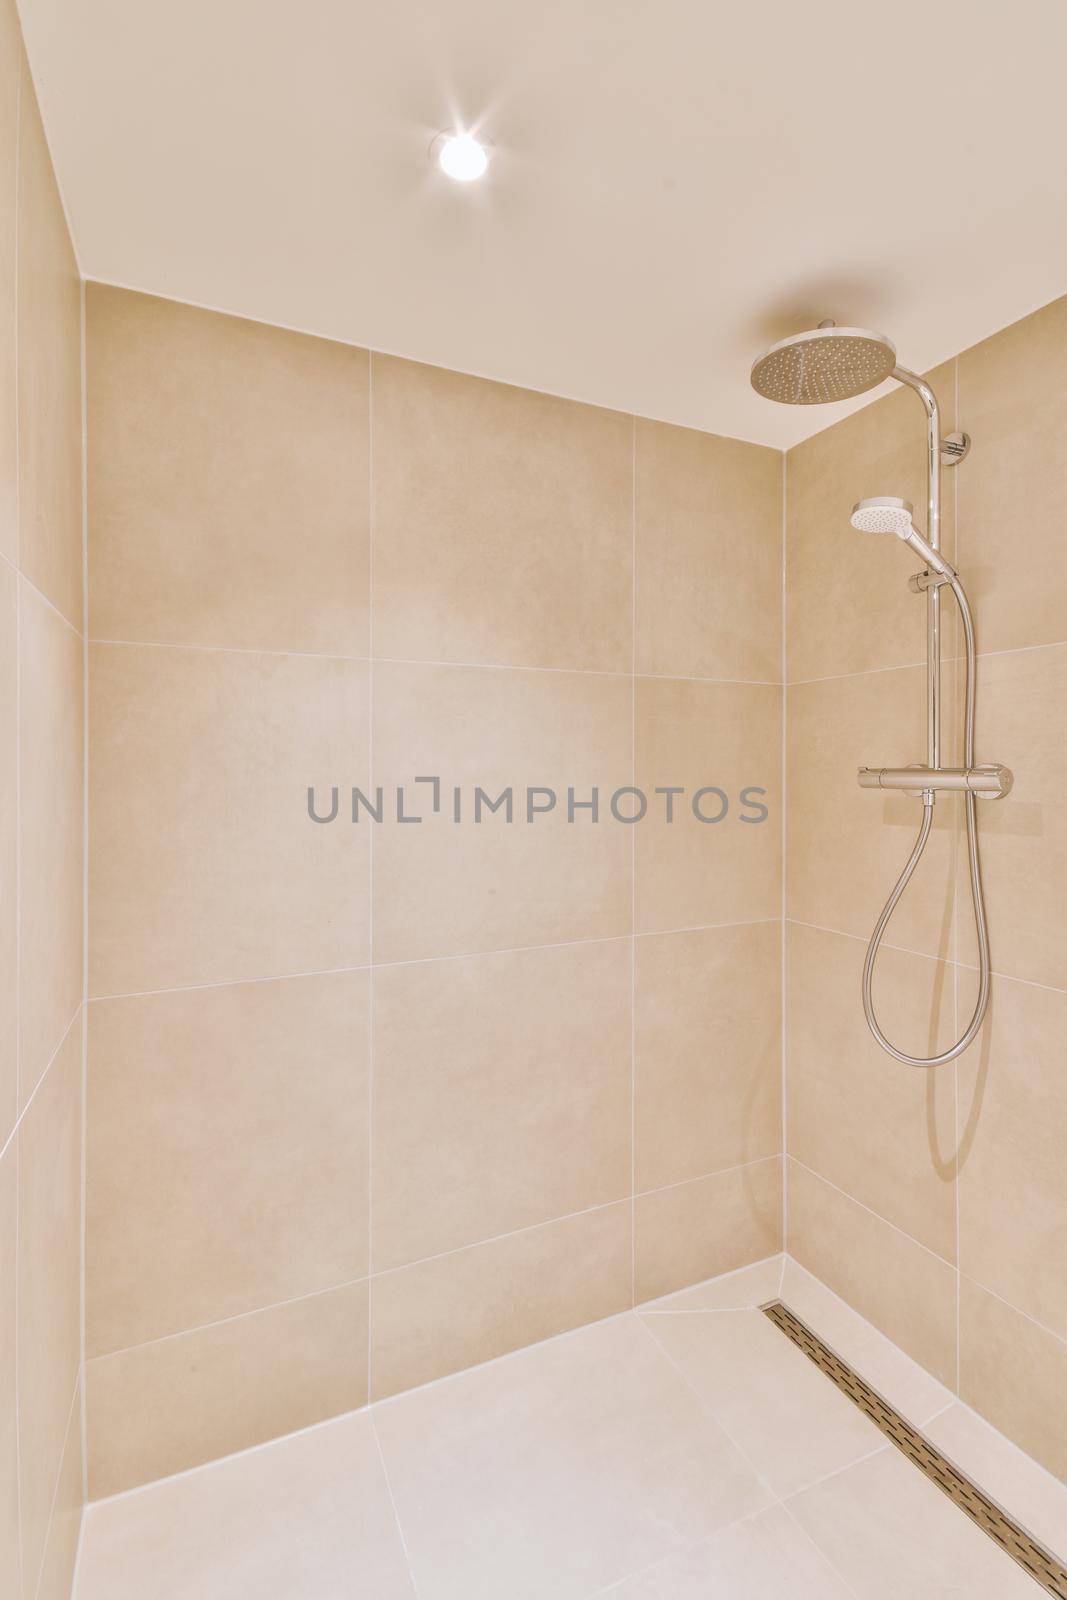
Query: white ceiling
[674,183]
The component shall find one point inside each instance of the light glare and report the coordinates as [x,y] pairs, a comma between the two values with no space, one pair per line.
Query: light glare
[462,157]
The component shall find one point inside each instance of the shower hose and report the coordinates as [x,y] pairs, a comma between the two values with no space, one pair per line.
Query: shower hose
[906,876]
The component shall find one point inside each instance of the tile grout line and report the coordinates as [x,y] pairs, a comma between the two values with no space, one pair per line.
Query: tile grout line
[72,1409]
[85,891]
[784,868]
[633,864]
[421,961]
[392,1501]
[957,547]
[871,1212]
[24,1113]
[19,1111]
[370,882]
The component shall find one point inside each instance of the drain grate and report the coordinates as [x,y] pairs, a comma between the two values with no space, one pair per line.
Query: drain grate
[1042,1566]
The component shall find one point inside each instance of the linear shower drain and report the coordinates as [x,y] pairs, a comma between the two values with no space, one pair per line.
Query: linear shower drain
[1042,1566]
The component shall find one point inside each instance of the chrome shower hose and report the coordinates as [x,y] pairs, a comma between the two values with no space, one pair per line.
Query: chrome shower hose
[977,898]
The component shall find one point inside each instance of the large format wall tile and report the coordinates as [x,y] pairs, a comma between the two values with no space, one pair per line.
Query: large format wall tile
[228,1141]
[11,58]
[9,1484]
[162,1407]
[724,737]
[466,1307]
[204,863]
[896,1283]
[49,378]
[884,1133]
[697,1230]
[845,845]
[51,822]
[8,850]
[1012,486]
[442,888]
[1021,696]
[848,605]
[1015,1373]
[1013,1181]
[502,1094]
[228,480]
[708,1090]
[49,1289]
[709,555]
[503,523]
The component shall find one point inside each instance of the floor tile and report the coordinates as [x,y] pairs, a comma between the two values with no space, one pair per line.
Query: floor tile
[1032,1496]
[890,1532]
[787,1418]
[558,1471]
[897,1378]
[763,1556]
[308,1517]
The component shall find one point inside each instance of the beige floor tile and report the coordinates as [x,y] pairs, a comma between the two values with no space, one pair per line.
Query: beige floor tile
[51,825]
[697,1230]
[781,1411]
[709,557]
[894,1375]
[882,1132]
[466,1307]
[763,1556]
[160,1408]
[442,888]
[8,850]
[708,1091]
[890,1532]
[1012,401]
[204,863]
[61,1548]
[309,1516]
[49,1287]
[859,581]
[1021,696]
[559,1470]
[725,736]
[49,376]
[11,59]
[503,523]
[904,1289]
[1030,1494]
[1014,1372]
[846,846]
[9,1484]
[474,1074]
[1013,1184]
[730,1291]
[228,1152]
[278,519]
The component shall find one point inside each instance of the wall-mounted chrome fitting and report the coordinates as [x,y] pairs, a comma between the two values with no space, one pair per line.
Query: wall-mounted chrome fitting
[990,782]
[954,446]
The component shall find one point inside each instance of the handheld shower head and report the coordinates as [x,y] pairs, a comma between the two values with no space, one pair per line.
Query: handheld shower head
[887,514]
[824,364]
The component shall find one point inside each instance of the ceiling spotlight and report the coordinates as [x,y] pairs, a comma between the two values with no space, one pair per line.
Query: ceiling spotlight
[460,156]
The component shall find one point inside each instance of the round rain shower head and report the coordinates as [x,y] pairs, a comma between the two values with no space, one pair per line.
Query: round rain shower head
[826,364]
[887,514]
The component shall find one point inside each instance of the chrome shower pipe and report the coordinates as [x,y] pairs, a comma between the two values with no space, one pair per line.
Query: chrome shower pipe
[933,537]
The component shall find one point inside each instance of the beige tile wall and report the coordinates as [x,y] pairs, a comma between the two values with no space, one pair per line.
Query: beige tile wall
[41,855]
[936,1203]
[369,1104]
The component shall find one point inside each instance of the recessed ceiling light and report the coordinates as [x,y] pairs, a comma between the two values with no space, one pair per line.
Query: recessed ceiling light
[460,156]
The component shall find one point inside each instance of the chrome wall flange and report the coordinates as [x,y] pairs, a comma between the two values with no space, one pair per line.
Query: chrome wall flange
[954,447]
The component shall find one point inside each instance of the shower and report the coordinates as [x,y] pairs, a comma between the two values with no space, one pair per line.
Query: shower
[831,363]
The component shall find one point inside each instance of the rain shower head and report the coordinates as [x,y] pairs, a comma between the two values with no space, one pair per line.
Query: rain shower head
[887,514]
[824,364]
